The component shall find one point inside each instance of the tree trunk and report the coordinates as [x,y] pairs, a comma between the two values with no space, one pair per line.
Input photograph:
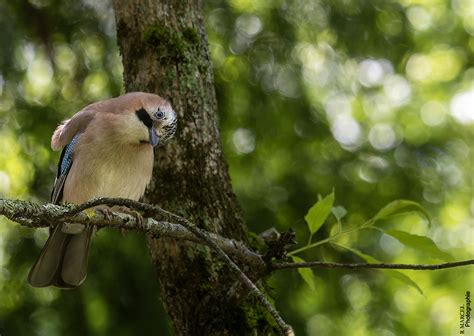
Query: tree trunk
[165,50]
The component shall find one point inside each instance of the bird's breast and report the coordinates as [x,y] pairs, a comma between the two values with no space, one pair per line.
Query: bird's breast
[109,172]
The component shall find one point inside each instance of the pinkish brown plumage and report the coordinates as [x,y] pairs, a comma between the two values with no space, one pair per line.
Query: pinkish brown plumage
[107,152]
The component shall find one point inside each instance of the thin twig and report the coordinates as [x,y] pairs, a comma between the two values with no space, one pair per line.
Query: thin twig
[321,264]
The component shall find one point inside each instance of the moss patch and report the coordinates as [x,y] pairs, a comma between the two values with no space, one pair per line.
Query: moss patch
[191,35]
[170,44]
[258,318]
[255,242]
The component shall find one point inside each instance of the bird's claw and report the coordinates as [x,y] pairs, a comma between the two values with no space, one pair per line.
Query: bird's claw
[107,213]
[138,216]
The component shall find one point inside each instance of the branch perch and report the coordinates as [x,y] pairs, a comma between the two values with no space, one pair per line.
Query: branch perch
[34,215]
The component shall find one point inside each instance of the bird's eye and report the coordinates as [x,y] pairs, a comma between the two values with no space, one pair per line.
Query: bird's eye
[159,114]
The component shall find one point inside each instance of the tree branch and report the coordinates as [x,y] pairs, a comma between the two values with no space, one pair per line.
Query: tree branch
[320,264]
[46,215]
[34,215]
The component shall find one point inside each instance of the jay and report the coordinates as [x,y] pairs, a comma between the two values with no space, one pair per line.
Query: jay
[107,151]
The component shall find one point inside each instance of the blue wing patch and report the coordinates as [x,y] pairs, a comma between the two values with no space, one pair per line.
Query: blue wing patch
[66,158]
[65,163]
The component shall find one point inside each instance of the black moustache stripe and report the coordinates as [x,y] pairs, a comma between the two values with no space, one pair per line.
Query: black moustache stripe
[144,117]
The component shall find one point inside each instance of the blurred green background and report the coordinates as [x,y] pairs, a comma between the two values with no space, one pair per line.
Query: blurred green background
[374,99]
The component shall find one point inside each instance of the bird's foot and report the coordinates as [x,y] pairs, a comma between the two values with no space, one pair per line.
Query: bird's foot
[138,216]
[107,213]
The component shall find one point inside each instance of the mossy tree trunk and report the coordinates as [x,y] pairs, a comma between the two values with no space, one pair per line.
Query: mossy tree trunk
[165,50]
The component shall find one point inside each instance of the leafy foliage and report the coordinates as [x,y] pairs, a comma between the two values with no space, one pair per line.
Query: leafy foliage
[306,273]
[397,207]
[399,275]
[318,213]
[424,244]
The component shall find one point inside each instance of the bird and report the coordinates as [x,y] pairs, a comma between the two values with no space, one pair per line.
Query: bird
[107,151]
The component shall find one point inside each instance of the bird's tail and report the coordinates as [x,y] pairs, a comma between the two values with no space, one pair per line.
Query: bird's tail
[63,260]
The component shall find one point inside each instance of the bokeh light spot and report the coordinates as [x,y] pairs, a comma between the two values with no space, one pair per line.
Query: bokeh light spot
[382,137]
[243,141]
[397,89]
[433,113]
[419,18]
[462,107]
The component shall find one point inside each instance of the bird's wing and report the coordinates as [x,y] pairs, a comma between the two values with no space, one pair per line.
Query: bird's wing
[64,166]
[65,132]
[79,121]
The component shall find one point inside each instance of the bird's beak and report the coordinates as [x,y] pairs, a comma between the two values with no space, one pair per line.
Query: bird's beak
[154,137]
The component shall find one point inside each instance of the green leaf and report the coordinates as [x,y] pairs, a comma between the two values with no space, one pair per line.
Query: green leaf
[420,243]
[405,279]
[394,273]
[319,212]
[339,212]
[306,273]
[398,207]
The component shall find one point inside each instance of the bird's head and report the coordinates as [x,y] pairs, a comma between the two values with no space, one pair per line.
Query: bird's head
[136,118]
[154,120]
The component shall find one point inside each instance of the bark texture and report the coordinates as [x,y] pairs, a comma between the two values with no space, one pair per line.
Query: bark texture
[165,51]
